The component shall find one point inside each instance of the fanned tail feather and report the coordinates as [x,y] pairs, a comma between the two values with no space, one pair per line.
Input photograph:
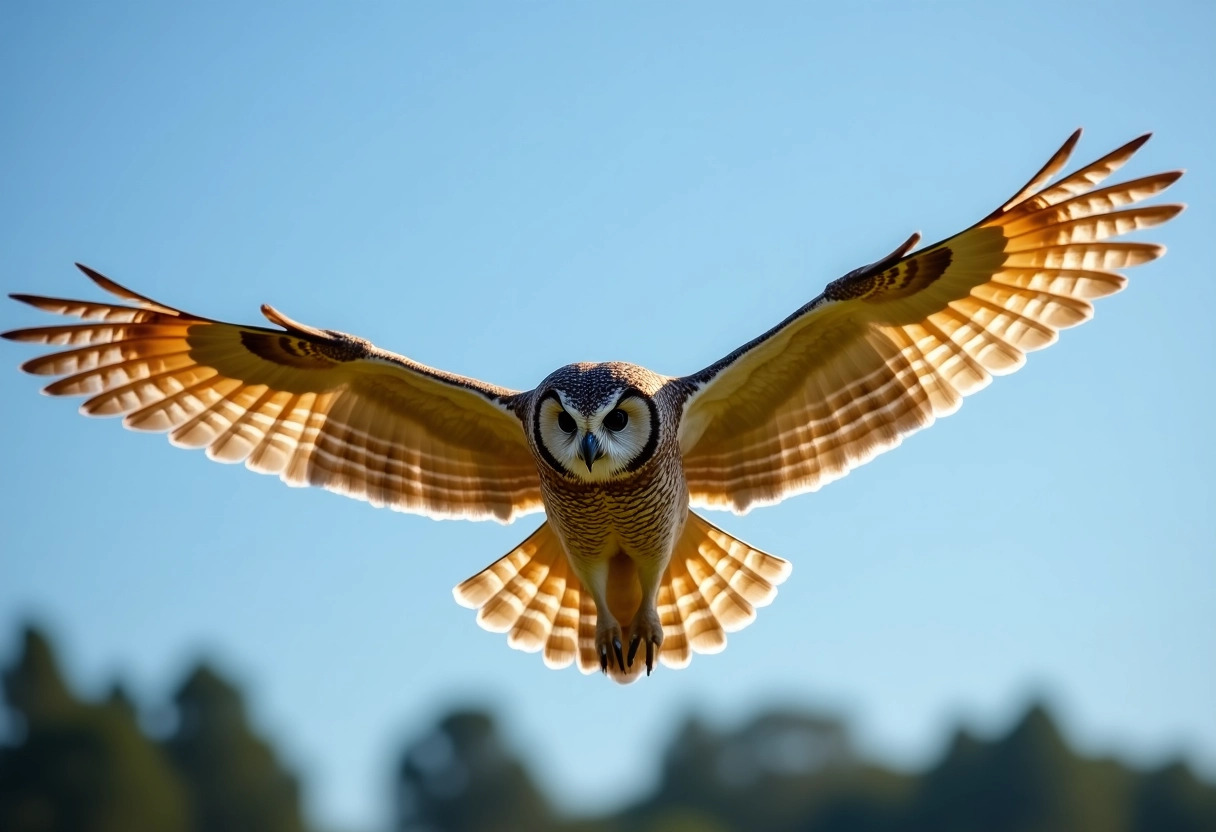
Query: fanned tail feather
[532,595]
[712,587]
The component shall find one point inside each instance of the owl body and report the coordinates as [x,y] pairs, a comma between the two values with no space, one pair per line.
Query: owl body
[615,454]
[619,541]
[640,516]
[618,511]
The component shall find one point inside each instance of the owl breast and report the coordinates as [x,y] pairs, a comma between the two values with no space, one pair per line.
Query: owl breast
[640,515]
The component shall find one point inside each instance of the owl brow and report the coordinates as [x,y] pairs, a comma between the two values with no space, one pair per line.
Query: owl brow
[552,394]
[632,393]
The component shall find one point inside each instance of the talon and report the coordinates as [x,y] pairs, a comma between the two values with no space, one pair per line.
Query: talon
[620,659]
[634,643]
[604,658]
[649,656]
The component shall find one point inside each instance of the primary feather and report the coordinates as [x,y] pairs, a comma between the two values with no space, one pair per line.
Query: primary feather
[889,348]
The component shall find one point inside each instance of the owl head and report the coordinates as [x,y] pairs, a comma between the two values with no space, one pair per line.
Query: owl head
[596,422]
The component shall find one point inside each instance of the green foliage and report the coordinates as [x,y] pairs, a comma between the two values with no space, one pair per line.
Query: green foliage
[792,772]
[87,767]
[80,767]
[1172,799]
[782,770]
[1028,782]
[233,779]
[461,776]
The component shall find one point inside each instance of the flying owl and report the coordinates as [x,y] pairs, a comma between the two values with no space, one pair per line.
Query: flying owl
[622,573]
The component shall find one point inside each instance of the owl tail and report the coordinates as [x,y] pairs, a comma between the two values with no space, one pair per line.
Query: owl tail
[532,595]
[712,587]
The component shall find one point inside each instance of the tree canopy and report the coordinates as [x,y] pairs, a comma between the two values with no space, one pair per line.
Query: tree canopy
[80,766]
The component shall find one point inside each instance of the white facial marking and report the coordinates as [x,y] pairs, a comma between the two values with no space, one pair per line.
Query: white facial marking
[618,448]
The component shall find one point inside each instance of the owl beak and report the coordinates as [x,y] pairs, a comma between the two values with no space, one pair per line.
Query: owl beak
[589,449]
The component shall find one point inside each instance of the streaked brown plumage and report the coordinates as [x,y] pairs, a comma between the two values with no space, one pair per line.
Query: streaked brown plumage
[614,453]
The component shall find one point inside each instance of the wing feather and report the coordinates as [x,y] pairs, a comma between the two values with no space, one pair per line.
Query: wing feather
[312,406]
[1075,183]
[890,347]
[1050,168]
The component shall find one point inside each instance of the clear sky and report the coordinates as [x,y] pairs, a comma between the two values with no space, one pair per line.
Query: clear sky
[455,181]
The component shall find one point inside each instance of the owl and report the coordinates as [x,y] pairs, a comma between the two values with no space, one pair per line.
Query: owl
[623,574]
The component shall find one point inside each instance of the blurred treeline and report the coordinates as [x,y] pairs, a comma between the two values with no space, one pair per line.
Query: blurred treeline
[79,765]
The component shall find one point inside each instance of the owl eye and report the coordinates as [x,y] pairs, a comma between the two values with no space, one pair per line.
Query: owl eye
[616,420]
[566,422]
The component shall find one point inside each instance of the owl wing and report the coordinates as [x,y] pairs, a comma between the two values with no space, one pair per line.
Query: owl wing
[890,347]
[315,407]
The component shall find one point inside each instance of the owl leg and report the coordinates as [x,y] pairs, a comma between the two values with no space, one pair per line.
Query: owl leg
[647,627]
[608,634]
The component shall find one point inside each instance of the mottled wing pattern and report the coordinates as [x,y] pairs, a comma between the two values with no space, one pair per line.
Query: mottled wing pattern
[889,348]
[315,407]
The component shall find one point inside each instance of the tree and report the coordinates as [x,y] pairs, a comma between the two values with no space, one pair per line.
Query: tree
[233,780]
[781,771]
[1172,799]
[462,778]
[79,767]
[1028,781]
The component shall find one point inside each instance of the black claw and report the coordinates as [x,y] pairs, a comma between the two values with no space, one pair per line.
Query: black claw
[649,656]
[604,659]
[620,658]
[633,647]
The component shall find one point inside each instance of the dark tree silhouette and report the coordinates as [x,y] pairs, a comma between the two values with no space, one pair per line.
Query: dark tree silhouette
[782,770]
[1029,781]
[233,780]
[461,777]
[79,767]
[86,767]
[1172,799]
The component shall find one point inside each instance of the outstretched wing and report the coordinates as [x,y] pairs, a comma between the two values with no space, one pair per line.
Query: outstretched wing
[315,407]
[890,347]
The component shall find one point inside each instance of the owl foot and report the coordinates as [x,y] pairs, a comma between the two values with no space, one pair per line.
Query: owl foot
[608,645]
[646,628]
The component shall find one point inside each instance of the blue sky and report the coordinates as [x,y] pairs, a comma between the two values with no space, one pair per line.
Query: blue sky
[453,181]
